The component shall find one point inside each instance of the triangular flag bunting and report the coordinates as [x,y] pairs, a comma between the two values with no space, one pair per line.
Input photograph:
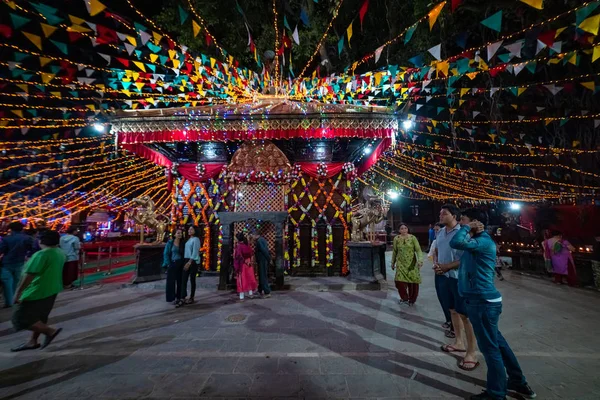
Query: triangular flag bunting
[492,49]
[94,7]
[591,25]
[183,15]
[494,22]
[195,28]
[295,35]
[539,4]
[349,32]
[363,11]
[409,33]
[35,39]
[588,85]
[433,14]
[378,54]
[48,30]
[435,51]
[596,53]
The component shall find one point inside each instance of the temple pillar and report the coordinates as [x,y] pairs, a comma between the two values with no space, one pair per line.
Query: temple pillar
[226,250]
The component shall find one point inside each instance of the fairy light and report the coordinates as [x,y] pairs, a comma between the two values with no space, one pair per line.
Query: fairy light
[25,144]
[321,41]
[507,176]
[548,150]
[276,42]
[464,185]
[38,163]
[94,177]
[512,121]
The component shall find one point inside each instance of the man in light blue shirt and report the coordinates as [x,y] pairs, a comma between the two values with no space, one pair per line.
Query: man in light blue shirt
[71,246]
[446,261]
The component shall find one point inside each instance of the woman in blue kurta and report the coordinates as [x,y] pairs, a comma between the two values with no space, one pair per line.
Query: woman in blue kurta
[173,261]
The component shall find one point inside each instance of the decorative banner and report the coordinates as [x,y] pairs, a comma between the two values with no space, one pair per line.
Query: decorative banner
[539,4]
[434,14]
[591,25]
[362,12]
[494,22]
[435,51]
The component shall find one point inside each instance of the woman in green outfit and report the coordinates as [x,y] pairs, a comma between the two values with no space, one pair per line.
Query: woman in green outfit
[407,260]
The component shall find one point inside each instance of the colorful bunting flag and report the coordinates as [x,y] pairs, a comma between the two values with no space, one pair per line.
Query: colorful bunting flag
[539,4]
[455,4]
[295,35]
[409,33]
[378,53]
[362,12]
[18,21]
[35,39]
[183,15]
[492,49]
[435,51]
[494,22]
[349,33]
[591,25]
[585,12]
[94,7]
[340,45]
[434,14]
[286,24]
[195,28]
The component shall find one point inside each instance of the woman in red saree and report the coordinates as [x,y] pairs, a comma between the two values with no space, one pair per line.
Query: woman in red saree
[242,257]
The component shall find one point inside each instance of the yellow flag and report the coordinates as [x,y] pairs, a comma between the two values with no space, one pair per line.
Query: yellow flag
[48,30]
[35,39]
[463,91]
[175,63]
[140,65]
[56,94]
[589,85]
[153,57]
[44,61]
[559,31]
[433,14]
[596,54]
[18,113]
[196,28]
[95,7]
[157,37]
[521,90]
[131,40]
[591,24]
[443,68]
[212,62]
[139,85]
[539,4]
[349,33]
[76,20]
[46,77]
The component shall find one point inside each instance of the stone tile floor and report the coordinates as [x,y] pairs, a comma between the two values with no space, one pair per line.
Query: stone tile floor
[127,343]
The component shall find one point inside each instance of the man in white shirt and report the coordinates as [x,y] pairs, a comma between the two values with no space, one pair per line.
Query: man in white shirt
[71,246]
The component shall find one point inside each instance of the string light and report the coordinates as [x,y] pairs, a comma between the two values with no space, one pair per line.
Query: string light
[549,150]
[511,176]
[335,14]
[513,121]
[54,142]
[276,43]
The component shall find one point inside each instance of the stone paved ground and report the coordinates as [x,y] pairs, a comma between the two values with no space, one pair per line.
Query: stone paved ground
[128,343]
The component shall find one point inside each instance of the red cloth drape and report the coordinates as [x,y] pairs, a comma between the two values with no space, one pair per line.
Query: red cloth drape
[190,172]
[211,135]
[374,156]
[310,168]
[149,154]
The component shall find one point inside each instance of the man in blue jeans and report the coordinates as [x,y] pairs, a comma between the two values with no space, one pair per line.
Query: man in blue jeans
[484,306]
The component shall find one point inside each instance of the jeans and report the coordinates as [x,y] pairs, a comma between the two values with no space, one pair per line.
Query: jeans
[10,275]
[442,290]
[263,276]
[191,275]
[174,276]
[499,357]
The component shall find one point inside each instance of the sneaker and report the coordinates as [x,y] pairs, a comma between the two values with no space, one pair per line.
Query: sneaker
[522,390]
[483,396]
[402,302]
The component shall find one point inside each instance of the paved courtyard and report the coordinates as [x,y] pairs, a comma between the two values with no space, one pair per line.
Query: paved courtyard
[127,343]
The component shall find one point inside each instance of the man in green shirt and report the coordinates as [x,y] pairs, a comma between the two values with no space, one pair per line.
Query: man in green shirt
[40,283]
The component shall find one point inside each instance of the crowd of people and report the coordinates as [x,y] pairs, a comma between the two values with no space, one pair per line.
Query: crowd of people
[465,263]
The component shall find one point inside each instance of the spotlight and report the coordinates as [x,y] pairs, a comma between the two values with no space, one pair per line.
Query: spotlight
[393,194]
[99,127]
[407,124]
[367,150]
[515,206]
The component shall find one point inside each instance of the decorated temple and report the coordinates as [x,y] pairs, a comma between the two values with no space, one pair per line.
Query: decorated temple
[282,168]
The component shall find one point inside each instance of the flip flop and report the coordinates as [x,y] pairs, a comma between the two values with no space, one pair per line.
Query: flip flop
[448,348]
[49,339]
[449,334]
[463,363]
[25,346]
[446,325]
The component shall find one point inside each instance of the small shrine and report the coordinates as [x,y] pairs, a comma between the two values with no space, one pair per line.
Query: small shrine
[281,168]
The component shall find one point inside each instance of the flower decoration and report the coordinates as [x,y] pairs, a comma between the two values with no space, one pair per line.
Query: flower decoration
[200,170]
[322,170]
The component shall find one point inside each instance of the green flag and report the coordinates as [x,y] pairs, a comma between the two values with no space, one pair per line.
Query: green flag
[494,22]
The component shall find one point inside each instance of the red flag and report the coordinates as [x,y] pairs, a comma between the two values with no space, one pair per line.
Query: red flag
[5,31]
[123,61]
[106,35]
[208,39]
[363,11]
[455,4]
[547,38]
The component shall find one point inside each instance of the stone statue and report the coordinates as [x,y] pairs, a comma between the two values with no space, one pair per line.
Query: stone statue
[371,212]
[146,215]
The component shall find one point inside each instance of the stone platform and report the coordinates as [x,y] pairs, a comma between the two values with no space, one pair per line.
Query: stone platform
[128,343]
